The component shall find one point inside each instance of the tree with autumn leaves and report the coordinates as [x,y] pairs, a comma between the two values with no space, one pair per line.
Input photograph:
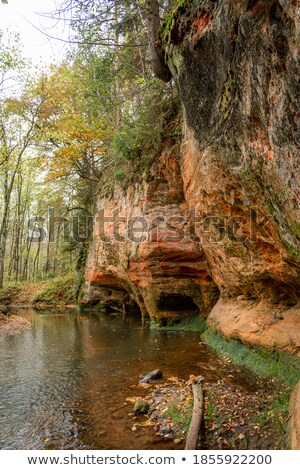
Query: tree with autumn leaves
[44,125]
[75,138]
[63,127]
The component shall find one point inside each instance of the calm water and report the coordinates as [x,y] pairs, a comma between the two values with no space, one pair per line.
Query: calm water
[63,383]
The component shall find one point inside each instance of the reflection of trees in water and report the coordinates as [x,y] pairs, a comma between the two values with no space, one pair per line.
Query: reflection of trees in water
[65,381]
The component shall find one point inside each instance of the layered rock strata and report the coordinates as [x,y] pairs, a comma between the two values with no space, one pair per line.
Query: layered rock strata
[219,217]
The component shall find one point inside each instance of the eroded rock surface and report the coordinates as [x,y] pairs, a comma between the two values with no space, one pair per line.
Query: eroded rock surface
[237,67]
[220,210]
[144,248]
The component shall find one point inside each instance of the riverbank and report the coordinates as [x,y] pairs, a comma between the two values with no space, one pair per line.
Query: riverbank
[233,420]
[266,420]
[57,292]
[12,324]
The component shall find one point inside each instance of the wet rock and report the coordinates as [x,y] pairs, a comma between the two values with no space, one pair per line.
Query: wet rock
[154,375]
[141,407]
[166,431]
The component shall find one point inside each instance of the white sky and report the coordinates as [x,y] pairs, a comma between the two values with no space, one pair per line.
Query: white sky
[17,15]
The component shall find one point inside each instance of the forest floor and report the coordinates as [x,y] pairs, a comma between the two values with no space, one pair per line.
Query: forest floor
[233,419]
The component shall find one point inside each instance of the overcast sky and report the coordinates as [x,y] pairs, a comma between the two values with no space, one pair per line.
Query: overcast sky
[22,16]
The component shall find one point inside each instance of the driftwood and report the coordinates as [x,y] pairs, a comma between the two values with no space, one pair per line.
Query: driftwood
[193,433]
[115,309]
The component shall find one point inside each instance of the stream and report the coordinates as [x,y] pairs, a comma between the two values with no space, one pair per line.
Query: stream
[63,383]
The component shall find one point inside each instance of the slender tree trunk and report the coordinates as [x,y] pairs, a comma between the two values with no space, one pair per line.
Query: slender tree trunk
[2,259]
[36,259]
[3,227]
[151,19]
[117,76]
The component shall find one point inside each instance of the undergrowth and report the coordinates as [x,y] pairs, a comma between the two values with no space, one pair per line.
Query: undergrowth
[183,421]
[7,294]
[60,290]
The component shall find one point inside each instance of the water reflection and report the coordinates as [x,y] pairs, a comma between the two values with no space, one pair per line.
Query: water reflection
[63,383]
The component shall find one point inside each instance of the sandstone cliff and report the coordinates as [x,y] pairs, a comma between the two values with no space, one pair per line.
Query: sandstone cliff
[215,230]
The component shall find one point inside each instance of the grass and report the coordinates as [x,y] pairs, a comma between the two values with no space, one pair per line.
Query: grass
[183,421]
[277,412]
[211,410]
[276,417]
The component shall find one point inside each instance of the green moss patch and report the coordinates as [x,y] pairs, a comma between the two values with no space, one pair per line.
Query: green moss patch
[264,362]
[165,32]
[186,324]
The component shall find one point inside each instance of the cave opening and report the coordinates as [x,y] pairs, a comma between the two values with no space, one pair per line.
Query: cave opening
[176,303]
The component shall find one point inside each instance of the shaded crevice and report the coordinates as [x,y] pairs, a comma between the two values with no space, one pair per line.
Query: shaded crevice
[176,303]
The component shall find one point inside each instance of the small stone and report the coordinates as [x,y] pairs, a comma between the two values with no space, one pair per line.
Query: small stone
[164,430]
[141,407]
[278,316]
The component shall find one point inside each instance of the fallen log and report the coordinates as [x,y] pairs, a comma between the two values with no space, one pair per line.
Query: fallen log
[194,429]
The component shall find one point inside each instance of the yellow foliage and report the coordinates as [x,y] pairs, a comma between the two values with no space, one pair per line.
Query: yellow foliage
[78,137]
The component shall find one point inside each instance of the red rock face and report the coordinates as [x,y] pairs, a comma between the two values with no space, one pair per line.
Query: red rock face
[238,235]
[146,247]
[239,85]
[220,213]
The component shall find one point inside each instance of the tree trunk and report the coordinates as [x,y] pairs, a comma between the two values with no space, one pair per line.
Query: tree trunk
[156,54]
[117,78]
[2,258]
